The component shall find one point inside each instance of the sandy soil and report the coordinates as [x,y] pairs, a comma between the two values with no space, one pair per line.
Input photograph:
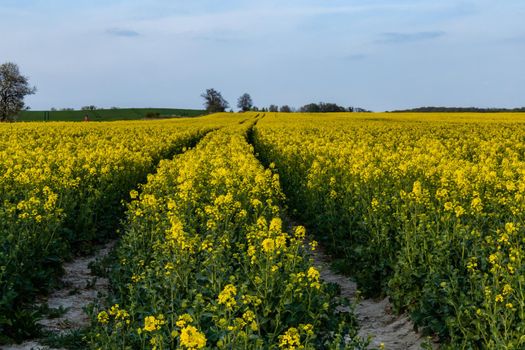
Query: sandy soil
[80,289]
[375,316]
[30,345]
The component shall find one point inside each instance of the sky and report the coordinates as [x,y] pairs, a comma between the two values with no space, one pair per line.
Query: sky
[374,54]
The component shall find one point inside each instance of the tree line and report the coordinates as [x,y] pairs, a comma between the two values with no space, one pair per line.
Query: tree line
[214,102]
[459,110]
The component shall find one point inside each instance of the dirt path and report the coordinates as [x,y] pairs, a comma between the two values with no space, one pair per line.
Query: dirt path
[375,317]
[80,289]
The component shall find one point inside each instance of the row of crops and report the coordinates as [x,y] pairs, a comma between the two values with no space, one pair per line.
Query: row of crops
[207,262]
[427,209]
[61,187]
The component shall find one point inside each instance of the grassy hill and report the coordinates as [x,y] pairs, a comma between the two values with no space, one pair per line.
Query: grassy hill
[108,114]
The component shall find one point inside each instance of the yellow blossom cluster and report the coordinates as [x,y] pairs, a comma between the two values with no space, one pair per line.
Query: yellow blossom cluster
[227,296]
[152,323]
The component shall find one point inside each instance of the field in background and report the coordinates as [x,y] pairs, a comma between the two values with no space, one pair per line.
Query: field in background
[109,114]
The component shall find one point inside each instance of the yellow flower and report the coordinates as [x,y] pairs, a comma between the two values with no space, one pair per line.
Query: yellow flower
[416,188]
[290,340]
[120,314]
[510,228]
[504,238]
[168,268]
[114,310]
[268,245]
[313,275]
[507,289]
[183,320]
[498,298]
[309,329]
[248,316]
[300,232]
[191,338]
[276,225]
[479,312]
[256,203]
[472,264]
[459,211]
[152,324]
[280,241]
[103,317]
[227,296]
[136,278]
[476,205]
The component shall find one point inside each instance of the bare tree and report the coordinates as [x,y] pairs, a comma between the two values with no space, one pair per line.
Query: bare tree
[273,108]
[14,87]
[214,102]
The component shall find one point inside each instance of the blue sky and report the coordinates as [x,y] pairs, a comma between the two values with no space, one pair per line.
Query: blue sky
[376,54]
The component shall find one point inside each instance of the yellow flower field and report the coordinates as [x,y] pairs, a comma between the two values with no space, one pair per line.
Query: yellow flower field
[207,262]
[426,208]
[61,185]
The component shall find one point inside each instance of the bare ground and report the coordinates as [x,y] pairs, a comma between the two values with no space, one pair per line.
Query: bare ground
[375,317]
[80,289]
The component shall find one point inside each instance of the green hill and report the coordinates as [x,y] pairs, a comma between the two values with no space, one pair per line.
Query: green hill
[109,114]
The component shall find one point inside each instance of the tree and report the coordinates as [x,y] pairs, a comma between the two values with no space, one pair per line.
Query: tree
[330,107]
[273,108]
[310,108]
[14,87]
[285,109]
[322,107]
[245,102]
[214,102]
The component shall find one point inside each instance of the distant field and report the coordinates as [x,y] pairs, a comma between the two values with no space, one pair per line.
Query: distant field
[108,114]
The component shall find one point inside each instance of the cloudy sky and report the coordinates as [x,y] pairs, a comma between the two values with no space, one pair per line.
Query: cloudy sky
[376,54]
